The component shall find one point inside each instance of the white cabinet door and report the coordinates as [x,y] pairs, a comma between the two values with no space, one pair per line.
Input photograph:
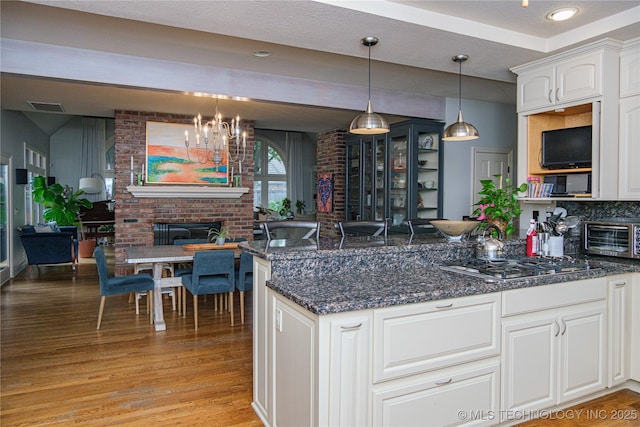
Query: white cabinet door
[553,356]
[578,78]
[629,146]
[529,357]
[294,364]
[536,88]
[630,70]
[583,361]
[463,396]
[618,316]
[634,330]
[261,346]
[348,355]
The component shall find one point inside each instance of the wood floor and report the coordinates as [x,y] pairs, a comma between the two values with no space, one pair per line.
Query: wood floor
[58,370]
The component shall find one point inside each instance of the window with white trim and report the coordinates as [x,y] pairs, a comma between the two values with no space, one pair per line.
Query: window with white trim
[36,165]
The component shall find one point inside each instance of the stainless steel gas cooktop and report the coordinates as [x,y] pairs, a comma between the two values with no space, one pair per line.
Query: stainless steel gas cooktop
[517,268]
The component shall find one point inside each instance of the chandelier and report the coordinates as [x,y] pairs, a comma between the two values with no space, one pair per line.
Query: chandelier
[214,139]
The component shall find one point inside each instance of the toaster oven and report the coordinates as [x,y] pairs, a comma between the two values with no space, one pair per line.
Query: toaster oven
[618,237]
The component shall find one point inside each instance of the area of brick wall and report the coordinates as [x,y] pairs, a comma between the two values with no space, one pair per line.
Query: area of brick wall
[331,152]
[130,140]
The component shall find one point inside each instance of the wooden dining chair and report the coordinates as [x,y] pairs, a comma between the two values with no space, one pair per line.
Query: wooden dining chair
[362,228]
[213,273]
[141,282]
[291,229]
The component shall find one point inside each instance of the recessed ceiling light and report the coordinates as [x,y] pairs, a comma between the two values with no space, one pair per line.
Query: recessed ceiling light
[562,14]
[261,53]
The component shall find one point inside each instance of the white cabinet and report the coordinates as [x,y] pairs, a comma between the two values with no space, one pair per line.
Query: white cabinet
[629,117]
[554,345]
[262,360]
[634,330]
[423,337]
[346,359]
[568,80]
[618,316]
[466,395]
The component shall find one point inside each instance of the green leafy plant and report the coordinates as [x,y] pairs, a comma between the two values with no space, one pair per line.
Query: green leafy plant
[264,211]
[300,205]
[499,204]
[285,208]
[214,235]
[61,204]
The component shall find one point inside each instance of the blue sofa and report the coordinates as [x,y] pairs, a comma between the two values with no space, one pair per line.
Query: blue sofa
[55,247]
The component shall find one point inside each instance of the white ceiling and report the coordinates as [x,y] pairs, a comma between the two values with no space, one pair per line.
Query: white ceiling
[314,40]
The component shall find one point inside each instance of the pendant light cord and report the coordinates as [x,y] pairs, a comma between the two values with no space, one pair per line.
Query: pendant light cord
[460,86]
[369,72]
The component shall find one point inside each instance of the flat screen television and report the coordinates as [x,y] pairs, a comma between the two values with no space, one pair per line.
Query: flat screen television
[566,148]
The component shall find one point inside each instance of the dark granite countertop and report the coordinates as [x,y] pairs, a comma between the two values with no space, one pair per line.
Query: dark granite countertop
[334,276]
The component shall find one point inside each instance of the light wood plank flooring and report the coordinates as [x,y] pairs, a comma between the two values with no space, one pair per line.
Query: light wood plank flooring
[57,369]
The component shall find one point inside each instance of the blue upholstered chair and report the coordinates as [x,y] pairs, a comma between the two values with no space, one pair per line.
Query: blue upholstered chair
[213,273]
[244,279]
[141,282]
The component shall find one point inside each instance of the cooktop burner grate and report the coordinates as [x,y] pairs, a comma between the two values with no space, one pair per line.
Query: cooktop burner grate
[518,268]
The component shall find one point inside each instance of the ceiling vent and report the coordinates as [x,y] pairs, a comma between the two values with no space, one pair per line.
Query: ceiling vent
[46,107]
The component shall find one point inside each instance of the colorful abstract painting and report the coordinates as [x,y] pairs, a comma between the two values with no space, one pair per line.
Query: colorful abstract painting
[170,161]
[325,192]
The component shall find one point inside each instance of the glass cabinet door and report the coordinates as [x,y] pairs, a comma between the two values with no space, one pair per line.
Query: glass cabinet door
[354,164]
[379,194]
[398,179]
[428,175]
[368,178]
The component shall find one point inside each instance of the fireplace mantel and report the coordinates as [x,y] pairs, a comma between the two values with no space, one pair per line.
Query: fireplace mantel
[186,192]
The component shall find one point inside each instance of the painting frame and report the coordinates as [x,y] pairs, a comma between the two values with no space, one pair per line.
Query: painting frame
[169,160]
[324,190]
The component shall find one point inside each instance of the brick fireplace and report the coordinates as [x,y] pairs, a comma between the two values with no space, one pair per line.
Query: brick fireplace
[134,217]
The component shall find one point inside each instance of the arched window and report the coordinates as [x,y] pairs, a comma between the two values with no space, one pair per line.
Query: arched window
[270,174]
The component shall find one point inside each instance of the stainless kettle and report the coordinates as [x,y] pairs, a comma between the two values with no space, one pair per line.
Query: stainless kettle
[489,248]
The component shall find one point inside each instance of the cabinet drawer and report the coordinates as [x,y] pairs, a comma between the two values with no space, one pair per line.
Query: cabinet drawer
[465,395]
[518,301]
[428,336]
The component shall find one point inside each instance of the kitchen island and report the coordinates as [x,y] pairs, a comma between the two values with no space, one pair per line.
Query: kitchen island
[372,332]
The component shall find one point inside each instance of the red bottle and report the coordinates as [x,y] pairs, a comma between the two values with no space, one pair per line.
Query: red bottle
[532,239]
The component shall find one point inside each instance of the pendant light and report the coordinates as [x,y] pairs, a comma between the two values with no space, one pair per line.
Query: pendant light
[460,131]
[369,123]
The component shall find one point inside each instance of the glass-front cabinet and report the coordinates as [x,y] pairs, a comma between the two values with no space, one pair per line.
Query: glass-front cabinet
[366,178]
[396,176]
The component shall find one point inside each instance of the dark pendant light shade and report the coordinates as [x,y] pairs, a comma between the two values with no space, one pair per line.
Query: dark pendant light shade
[460,130]
[369,123]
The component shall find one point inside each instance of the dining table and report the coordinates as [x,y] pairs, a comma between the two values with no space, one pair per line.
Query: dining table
[157,256]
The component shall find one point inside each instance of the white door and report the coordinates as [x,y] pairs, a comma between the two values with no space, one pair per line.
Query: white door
[5,220]
[488,162]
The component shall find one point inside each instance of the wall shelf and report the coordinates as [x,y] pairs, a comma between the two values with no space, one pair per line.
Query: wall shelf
[186,192]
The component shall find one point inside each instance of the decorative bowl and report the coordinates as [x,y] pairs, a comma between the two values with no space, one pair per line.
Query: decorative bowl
[455,231]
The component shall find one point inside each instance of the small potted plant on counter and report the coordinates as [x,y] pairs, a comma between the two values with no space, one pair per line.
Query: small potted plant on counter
[263,212]
[218,236]
[498,204]
[285,208]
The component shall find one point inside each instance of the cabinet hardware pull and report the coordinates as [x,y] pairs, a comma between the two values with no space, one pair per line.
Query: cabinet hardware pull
[620,284]
[351,327]
[444,306]
[555,322]
[565,327]
[443,382]
[550,100]
[557,91]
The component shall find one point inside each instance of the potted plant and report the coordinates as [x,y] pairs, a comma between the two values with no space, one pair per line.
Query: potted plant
[499,204]
[219,236]
[263,212]
[62,205]
[285,208]
[300,204]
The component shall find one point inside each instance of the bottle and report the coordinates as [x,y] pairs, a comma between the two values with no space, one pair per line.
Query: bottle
[532,239]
